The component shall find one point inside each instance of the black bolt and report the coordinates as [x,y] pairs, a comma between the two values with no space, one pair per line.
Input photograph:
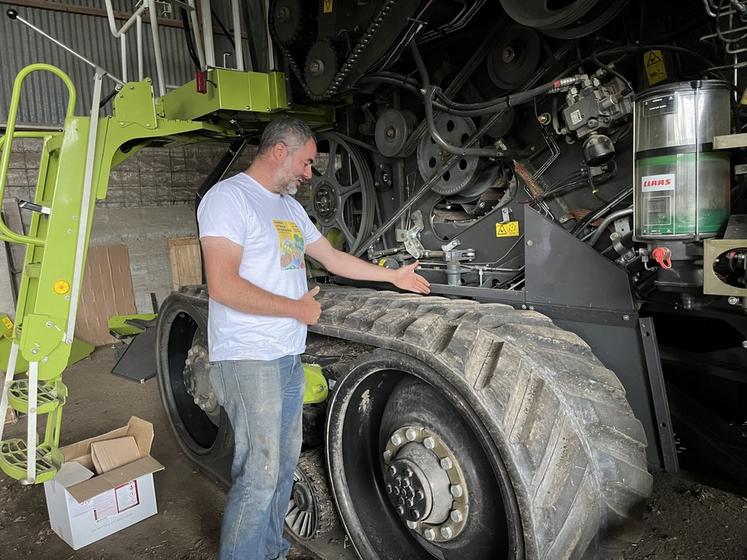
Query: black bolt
[400,510]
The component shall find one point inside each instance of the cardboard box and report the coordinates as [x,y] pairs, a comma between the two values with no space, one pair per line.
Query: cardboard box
[85,507]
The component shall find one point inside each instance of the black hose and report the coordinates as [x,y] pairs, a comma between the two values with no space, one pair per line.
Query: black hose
[429,93]
[108,97]
[189,38]
[610,70]
[641,48]
[591,216]
[234,150]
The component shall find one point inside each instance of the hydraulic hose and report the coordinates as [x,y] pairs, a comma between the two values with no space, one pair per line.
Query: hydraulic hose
[607,221]
[625,193]
[188,37]
[482,108]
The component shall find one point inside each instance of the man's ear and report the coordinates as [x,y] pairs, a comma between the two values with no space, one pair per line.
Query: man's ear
[279,151]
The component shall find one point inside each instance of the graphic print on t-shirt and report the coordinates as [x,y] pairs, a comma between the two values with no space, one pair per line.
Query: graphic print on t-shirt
[291,244]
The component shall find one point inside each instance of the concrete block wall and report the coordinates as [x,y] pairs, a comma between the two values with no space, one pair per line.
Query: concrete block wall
[150,199]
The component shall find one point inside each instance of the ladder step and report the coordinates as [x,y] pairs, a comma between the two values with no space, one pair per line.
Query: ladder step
[50,395]
[13,459]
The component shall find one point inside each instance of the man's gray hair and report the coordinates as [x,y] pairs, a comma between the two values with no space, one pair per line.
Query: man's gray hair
[291,131]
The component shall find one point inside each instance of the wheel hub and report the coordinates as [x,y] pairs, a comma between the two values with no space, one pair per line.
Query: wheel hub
[425,484]
[197,382]
[325,202]
[409,490]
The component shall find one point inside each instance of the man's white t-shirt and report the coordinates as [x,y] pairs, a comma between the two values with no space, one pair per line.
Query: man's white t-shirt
[274,230]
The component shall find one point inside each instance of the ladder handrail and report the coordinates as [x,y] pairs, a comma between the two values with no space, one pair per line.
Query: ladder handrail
[10,133]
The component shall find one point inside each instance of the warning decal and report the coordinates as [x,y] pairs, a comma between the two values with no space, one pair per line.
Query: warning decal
[507,229]
[656,71]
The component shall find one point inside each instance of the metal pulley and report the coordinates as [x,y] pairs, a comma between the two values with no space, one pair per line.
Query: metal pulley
[342,198]
[456,131]
[393,128]
[576,18]
[321,67]
[514,57]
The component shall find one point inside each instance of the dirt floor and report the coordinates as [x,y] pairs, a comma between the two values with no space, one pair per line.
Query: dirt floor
[684,520]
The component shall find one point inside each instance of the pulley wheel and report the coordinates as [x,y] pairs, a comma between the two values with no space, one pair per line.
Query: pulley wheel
[320,67]
[456,131]
[595,19]
[343,198]
[514,57]
[548,14]
[393,128]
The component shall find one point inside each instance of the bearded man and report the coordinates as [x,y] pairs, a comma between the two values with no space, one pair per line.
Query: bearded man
[254,235]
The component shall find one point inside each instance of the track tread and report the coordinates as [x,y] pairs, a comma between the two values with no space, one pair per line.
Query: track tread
[575,451]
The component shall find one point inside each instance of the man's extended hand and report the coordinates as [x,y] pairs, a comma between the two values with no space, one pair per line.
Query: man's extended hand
[308,308]
[406,278]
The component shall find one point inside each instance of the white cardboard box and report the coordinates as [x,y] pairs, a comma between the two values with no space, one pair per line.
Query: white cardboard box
[84,507]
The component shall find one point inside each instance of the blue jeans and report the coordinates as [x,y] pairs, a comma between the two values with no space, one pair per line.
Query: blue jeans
[264,401]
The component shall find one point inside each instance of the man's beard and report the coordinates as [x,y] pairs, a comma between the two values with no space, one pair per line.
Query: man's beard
[286,185]
[289,188]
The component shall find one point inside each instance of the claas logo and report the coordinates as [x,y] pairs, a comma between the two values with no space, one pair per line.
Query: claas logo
[657,182]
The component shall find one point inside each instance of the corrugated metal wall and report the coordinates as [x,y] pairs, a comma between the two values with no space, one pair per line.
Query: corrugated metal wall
[44,96]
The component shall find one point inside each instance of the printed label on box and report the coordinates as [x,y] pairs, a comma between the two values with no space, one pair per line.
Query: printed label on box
[104,505]
[127,496]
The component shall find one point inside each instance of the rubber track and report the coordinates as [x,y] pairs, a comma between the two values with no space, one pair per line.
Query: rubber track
[573,449]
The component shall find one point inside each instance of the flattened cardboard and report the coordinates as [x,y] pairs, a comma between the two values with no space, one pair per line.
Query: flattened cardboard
[106,291]
[138,428]
[71,474]
[112,453]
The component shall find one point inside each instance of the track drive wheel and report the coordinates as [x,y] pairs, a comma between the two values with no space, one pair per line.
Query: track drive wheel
[477,431]
[200,425]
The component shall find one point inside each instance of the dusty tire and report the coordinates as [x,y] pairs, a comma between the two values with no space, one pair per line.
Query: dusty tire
[549,426]
[182,320]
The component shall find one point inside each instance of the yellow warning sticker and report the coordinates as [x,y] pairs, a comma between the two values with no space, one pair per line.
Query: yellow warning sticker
[656,71]
[507,229]
[327,7]
[7,323]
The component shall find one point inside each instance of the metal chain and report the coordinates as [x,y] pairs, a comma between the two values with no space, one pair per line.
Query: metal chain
[349,63]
